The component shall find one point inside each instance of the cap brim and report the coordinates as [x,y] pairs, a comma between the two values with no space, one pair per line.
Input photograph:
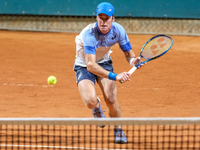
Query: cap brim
[105,12]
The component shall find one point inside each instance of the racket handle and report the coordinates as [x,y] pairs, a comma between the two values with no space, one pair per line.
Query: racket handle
[130,71]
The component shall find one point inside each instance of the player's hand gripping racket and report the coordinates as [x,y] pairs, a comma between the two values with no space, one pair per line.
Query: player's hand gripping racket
[152,49]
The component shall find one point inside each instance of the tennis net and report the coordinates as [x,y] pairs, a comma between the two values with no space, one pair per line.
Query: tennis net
[84,133]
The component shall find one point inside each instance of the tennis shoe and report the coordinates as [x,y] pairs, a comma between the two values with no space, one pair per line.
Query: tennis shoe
[98,112]
[120,137]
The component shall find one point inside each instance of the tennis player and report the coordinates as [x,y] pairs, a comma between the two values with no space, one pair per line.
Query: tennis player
[93,62]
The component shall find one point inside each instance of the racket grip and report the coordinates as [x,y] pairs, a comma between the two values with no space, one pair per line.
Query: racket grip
[130,71]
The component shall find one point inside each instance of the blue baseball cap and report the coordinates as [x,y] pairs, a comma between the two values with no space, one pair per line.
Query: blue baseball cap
[105,8]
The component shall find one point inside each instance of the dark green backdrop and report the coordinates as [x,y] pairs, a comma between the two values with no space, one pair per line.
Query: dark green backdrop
[127,8]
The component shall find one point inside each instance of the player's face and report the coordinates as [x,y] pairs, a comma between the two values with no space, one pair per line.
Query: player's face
[104,23]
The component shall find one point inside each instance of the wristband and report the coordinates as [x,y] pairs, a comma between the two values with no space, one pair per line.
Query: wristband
[131,60]
[112,76]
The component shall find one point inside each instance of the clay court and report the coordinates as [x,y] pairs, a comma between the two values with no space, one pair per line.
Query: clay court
[166,87]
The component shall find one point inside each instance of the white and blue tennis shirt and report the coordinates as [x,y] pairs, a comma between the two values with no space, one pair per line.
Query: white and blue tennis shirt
[92,41]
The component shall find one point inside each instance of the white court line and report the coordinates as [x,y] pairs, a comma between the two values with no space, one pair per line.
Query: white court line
[29,85]
[61,147]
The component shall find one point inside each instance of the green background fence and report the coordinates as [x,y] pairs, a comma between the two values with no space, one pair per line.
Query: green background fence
[179,17]
[128,8]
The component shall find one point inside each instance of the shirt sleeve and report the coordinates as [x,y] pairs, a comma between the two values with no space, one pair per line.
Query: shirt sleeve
[124,42]
[88,42]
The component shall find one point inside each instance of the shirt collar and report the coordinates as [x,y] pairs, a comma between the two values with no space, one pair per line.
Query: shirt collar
[99,32]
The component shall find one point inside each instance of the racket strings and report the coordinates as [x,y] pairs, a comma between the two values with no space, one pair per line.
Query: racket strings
[156,47]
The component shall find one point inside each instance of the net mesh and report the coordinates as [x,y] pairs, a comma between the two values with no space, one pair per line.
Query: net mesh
[142,133]
[156,47]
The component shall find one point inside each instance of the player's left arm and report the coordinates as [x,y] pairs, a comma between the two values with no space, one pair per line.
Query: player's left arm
[126,47]
[131,58]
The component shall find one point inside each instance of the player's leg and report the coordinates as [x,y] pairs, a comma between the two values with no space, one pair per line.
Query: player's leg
[86,87]
[88,93]
[90,99]
[109,90]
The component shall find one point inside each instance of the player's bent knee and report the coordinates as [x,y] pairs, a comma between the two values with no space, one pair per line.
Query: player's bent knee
[91,103]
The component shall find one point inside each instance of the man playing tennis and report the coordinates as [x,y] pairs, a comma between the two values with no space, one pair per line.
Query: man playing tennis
[93,62]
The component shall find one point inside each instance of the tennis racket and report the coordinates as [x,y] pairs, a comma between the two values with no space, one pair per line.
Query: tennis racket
[153,48]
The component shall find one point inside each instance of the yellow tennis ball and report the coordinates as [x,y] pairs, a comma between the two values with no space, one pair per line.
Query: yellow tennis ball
[52,80]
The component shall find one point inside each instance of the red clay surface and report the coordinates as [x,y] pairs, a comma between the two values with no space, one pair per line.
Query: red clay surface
[166,87]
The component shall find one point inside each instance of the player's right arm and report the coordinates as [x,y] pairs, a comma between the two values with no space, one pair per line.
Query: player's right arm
[93,67]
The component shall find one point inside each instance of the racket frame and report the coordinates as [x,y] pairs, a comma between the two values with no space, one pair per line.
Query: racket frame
[147,59]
